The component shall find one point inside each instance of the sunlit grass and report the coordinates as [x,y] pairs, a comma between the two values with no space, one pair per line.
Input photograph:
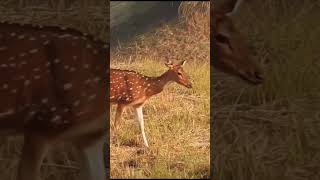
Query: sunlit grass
[177,127]
[177,121]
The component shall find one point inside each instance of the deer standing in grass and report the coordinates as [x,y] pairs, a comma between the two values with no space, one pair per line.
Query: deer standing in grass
[53,89]
[231,54]
[128,88]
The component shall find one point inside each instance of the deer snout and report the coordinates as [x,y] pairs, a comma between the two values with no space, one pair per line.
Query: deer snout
[189,85]
[253,77]
[259,76]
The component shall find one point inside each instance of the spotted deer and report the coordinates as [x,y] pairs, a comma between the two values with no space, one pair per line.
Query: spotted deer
[131,89]
[53,89]
[231,54]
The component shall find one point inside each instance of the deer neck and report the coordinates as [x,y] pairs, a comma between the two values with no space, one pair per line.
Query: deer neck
[157,84]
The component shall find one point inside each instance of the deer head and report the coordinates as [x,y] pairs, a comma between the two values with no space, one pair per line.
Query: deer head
[232,55]
[177,74]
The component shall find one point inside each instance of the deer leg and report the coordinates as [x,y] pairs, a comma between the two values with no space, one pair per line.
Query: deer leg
[33,153]
[120,109]
[92,161]
[139,115]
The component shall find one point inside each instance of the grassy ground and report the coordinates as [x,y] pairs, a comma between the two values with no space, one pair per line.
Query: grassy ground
[272,131]
[177,126]
[177,120]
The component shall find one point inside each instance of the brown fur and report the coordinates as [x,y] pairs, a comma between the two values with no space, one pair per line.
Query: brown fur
[52,87]
[231,54]
[129,88]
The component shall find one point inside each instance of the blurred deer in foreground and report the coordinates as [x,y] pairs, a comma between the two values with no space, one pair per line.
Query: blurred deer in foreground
[53,89]
[231,55]
[130,89]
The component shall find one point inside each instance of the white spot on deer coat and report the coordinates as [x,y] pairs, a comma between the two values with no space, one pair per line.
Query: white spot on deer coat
[67,86]
[45,100]
[46,42]
[5,86]
[31,113]
[3,48]
[21,37]
[22,54]
[56,61]
[36,69]
[64,36]
[33,51]
[87,81]
[91,97]
[12,65]
[37,77]
[88,46]
[6,113]
[86,66]
[76,103]
[26,82]
[56,119]
[97,79]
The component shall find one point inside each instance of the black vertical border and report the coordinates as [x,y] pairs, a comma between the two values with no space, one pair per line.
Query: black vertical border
[107,150]
[212,135]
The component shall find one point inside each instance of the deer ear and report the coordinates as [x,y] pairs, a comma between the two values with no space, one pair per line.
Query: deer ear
[182,63]
[227,7]
[169,64]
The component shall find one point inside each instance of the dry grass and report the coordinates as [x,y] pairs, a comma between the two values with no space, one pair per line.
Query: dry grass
[177,127]
[272,131]
[177,120]
[60,164]
[190,10]
[92,20]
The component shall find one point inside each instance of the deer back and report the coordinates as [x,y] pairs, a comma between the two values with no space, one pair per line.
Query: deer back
[129,87]
[50,77]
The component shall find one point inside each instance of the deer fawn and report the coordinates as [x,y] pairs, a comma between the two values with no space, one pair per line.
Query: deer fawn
[128,88]
[53,89]
[231,55]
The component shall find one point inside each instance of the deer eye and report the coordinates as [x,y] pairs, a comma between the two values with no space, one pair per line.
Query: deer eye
[179,73]
[222,39]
